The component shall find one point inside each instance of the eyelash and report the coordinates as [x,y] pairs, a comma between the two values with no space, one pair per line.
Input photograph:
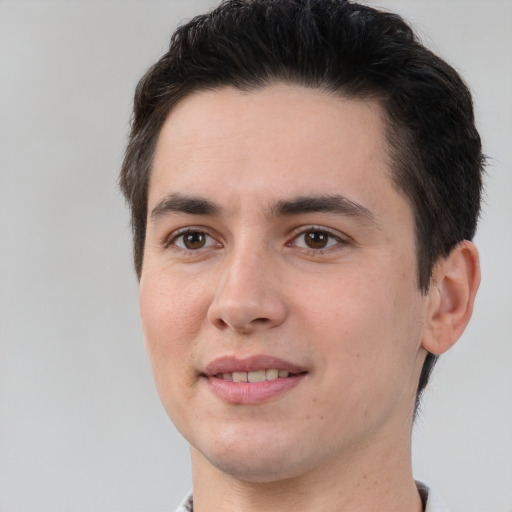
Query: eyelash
[333,240]
[172,241]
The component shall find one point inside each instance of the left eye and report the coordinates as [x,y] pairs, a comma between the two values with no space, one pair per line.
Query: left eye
[316,239]
[193,240]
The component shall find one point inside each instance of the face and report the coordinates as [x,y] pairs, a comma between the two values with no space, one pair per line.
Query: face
[279,296]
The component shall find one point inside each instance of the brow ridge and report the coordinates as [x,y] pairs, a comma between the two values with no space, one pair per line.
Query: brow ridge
[177,203]
[337,204]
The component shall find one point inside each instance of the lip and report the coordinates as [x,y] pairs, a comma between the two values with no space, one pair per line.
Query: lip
[230,364]
[251,393]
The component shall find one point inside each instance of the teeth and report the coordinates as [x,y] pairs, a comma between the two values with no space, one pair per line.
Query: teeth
[239,376]
[257,376]
[271,374]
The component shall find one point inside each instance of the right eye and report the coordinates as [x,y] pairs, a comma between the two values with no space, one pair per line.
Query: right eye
[193,240]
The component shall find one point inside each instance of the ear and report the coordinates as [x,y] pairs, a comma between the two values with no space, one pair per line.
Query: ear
[451,295]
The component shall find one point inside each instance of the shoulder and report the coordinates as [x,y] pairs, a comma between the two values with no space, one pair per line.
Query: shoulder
[432,502]
[186,505]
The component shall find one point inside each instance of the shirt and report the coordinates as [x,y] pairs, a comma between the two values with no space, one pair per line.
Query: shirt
[432,502]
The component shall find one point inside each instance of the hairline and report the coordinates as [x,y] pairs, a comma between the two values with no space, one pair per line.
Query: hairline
[391,130]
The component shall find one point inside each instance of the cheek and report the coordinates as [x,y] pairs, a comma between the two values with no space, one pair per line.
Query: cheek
[172,315]
[347,306]
[367,325]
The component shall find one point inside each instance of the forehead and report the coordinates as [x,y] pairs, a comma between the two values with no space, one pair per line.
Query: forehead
[272,142]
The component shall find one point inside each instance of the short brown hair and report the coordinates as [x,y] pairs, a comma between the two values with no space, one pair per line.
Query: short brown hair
[341,47]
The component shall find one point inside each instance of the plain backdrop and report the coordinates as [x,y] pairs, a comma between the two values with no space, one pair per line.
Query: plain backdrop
[81,426]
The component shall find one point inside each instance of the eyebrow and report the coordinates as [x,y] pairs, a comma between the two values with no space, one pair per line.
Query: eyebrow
[337,204]
[177,203]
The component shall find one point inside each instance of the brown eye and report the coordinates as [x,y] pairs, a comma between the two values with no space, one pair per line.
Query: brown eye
[316,239]
[193,240]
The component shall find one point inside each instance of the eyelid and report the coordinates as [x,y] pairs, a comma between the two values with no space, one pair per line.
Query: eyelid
[341,238]
[169,240]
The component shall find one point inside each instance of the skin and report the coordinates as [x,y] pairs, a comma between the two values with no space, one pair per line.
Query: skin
[350,313]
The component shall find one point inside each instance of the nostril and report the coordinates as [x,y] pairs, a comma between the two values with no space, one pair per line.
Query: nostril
[220,324]
[244,307]
[261,320]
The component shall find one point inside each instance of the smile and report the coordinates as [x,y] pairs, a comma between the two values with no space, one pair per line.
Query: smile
[256,376]
[260,367]
[252,380]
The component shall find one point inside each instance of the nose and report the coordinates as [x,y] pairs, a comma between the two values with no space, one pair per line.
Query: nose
[248,297]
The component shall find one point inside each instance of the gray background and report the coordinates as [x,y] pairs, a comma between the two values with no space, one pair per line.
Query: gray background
[81,426]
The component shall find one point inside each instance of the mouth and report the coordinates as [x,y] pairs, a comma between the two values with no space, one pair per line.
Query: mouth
[257,368]
[252,380]
[256,376]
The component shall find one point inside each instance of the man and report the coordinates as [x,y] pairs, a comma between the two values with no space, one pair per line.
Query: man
[304,179]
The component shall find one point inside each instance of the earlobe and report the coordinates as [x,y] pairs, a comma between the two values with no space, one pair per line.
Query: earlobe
[452,294]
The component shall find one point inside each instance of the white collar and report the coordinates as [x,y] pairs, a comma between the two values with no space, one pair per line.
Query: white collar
[433,504]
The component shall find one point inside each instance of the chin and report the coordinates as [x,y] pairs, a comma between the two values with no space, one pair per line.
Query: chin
[261,470]
[253,459]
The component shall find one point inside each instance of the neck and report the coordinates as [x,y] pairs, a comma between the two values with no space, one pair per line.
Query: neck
[369,481]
